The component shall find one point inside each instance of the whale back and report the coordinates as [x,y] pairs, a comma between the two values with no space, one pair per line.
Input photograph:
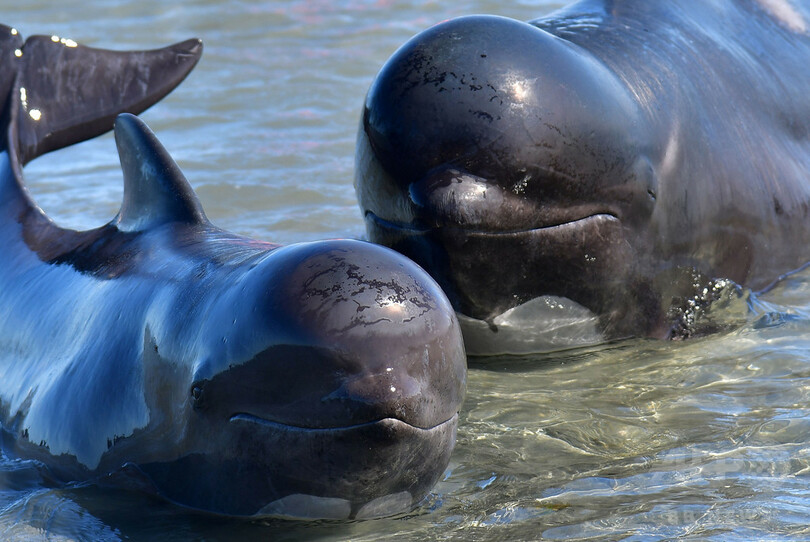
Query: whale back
[723,86]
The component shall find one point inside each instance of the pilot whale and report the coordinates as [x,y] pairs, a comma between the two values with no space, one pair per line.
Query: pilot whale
[226,374]
[620,155]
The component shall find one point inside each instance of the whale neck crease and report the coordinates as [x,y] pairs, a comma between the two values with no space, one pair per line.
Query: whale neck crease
[155,190]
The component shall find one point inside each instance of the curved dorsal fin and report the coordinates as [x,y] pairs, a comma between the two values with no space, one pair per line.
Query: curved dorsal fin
[69,92]
[155,190]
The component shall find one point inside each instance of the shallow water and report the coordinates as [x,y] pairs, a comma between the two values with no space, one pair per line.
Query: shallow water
[638,440]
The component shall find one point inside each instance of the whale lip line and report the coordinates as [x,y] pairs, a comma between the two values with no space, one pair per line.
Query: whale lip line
[422,229]
[250,418]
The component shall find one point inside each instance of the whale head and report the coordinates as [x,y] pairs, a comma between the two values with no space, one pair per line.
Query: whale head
[338,399]
[317,380]
[510,164]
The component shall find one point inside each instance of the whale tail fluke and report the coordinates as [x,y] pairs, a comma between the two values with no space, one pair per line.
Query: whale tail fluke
[68,93]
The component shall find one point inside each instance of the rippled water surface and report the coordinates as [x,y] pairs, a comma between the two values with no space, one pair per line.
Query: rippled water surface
[640,440]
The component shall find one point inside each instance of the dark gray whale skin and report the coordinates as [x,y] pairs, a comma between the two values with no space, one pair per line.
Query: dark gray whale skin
[56,92]
[617,153]
[226,374]
[223,372]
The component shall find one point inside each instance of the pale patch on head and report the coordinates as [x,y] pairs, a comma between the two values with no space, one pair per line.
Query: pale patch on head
[784,12]
[544,324]
[386,506]
[308,507]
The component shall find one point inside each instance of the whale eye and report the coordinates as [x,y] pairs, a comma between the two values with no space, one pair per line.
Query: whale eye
[198,395]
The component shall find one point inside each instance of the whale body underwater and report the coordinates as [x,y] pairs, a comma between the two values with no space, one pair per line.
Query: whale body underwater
[622,157]
[318,380]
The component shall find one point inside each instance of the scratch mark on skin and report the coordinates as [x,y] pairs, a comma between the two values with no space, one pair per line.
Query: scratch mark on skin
[331,285]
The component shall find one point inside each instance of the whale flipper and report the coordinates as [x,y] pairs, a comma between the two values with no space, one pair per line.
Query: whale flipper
[67,93]
[155,190]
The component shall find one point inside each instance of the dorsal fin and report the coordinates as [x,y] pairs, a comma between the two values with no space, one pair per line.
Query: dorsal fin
[69,92]
[155,190]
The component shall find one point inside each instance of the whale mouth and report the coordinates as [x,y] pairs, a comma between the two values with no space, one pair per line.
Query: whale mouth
[257,468]
[551,229]
[375,469]
[486,272]
[243,417]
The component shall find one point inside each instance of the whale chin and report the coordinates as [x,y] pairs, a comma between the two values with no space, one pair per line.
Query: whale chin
[407,465]
[486,273]
[543,324]
[301,506]
[364,471]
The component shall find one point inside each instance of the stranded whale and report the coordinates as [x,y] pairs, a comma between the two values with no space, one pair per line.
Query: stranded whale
[227,374]
[236,376]
[617,154]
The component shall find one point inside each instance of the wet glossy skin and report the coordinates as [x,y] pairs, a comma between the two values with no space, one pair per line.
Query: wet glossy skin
[61,92]
[224,373]
[229,373]
[619,154]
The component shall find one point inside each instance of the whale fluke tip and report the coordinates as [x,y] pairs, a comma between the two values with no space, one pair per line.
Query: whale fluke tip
[69,92]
